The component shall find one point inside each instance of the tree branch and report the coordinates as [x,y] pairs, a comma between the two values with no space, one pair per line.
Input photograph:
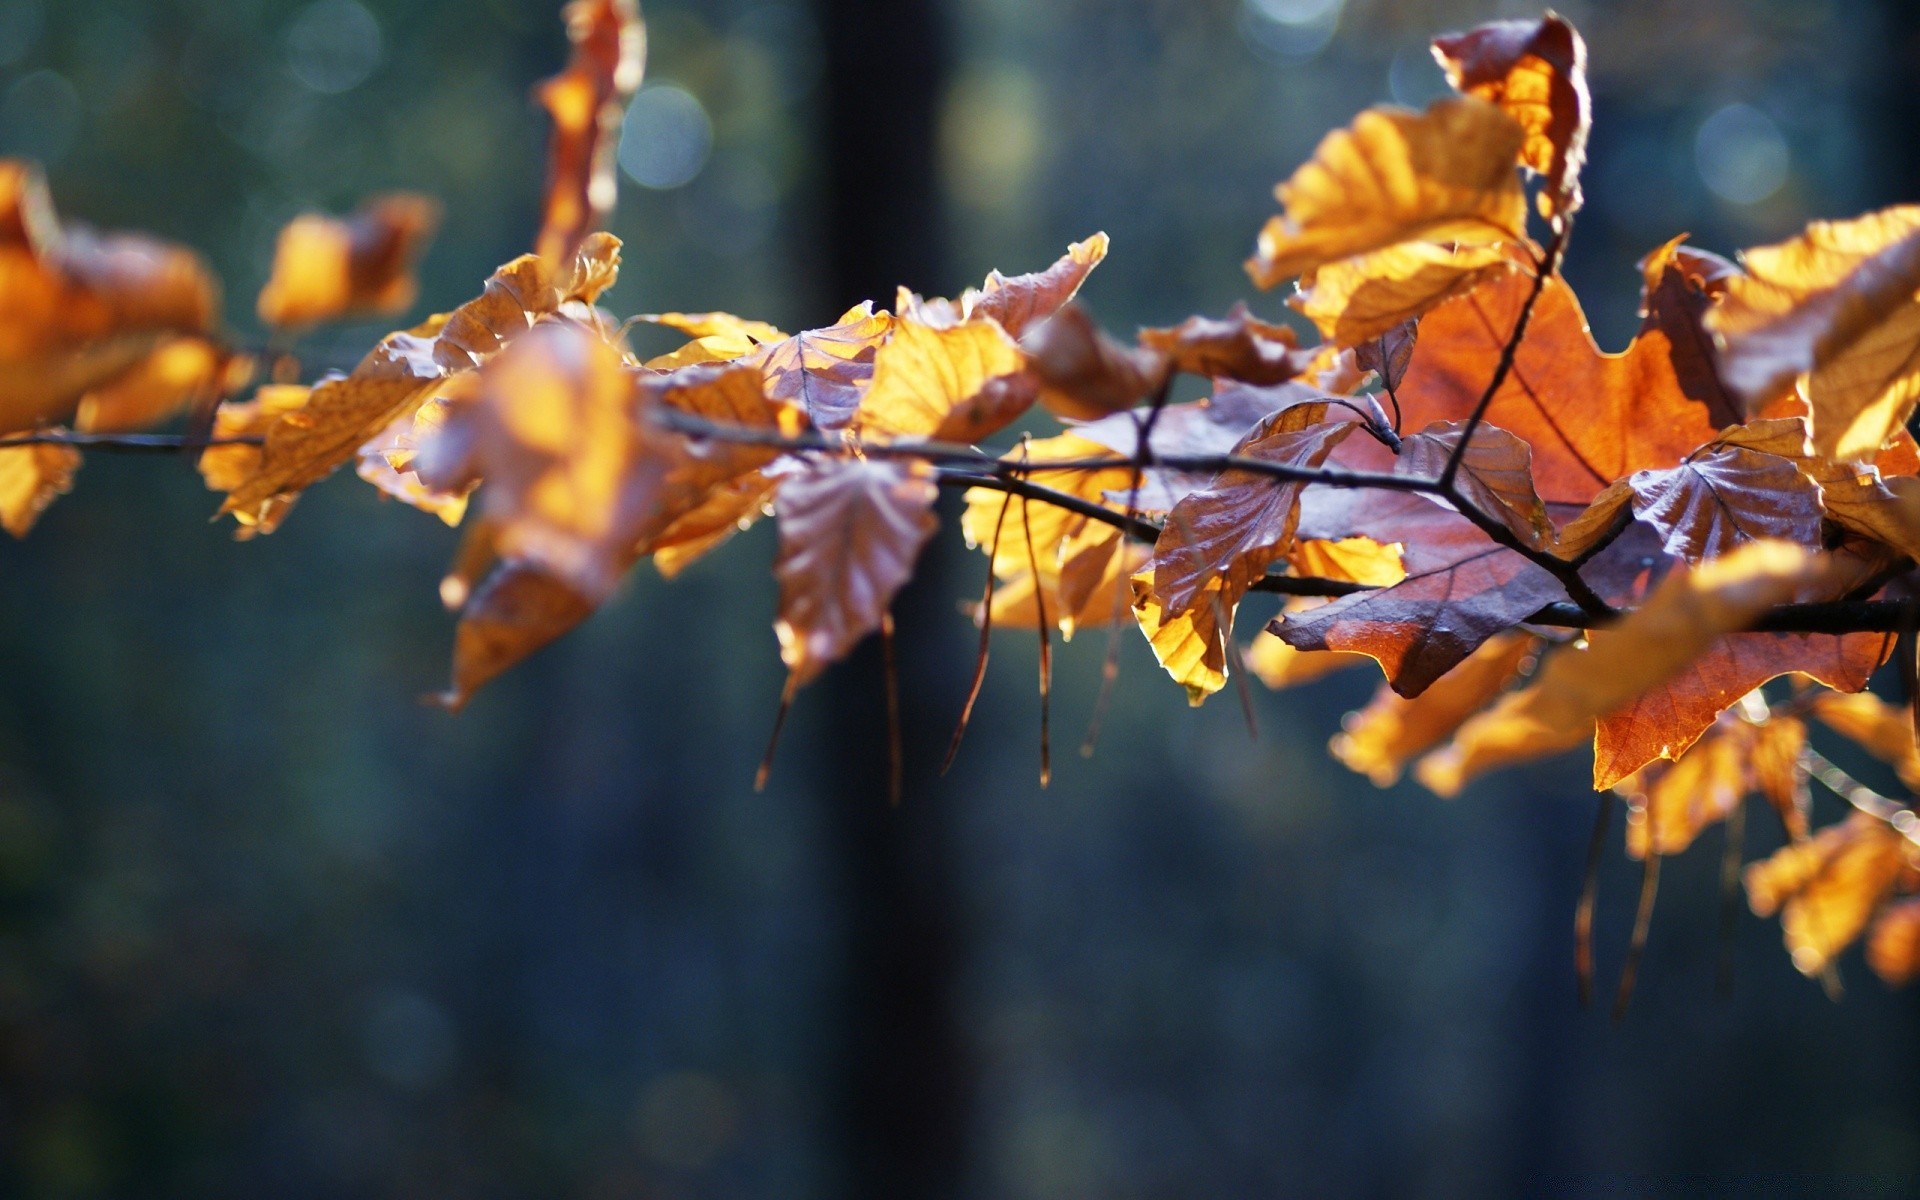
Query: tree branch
[124,443]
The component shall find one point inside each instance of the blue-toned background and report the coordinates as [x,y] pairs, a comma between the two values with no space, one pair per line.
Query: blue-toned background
[268,927]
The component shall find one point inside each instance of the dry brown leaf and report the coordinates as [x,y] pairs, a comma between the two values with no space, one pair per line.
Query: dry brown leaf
[517,610]
[1084,374]
[1495,475]
[1576,686]
[1836,304]
[326,268]
[345,412]
[1666,718]
[1460,589]
[1229,532]
[1826,889]
[1725,496]
[82,308]
[1239,347]
[849,534]
[1536,71]
[587,102]
[823,371]
[1395,176]
[1018,302]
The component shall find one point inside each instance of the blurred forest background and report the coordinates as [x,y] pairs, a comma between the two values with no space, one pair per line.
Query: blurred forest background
[270,927]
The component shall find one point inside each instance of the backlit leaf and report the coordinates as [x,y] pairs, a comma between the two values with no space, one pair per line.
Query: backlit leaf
[30,478]
[1395,176]
[587,102]
[823,371]
[849,534]
[1536,71]
[1357,299]
[1392,730]
[1836,304]
[326,268]
[1495,475]
[955,384]
[1826,889]
[1893,947]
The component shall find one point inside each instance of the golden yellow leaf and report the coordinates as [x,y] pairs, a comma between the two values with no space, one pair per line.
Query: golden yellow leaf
[956,384]
[1827,889]
[179,373]
[1893,948]
[1354,560]
[1392,730]
[1879,728]
[225,467]
[30,478]
[1356,299]
[1192,647]
[727,510]
[1836,304]
[1536,71]
[81,308]
[587,102]
[1448,174]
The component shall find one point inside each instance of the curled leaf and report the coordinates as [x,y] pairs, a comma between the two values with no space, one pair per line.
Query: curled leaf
[587,102]
[1536,71]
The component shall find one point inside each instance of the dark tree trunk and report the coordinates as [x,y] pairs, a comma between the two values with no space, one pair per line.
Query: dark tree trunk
[903,1088]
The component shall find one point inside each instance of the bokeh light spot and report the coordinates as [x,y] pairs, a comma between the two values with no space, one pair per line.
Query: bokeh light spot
[1741,154]
[666,138]
[333,46]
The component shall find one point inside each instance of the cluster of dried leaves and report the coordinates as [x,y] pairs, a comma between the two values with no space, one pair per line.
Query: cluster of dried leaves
[1537,542]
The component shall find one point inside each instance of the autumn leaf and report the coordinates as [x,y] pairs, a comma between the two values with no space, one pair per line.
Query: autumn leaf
[1666,718]
[1879,728]
[1358,299]
[226,466]
[1495,475]
[1674,802]
[1018,302]
[1893,948]
[955,384]
[578,479]
[1191,646]
[824,371]
[1392,730]
[326,268]
[1084,374]
[1726,496]
[1826,889]
[849,534]
[1105,594]
[1229,532]
[717,337]
[345,412]
[388,461]
[1279,665]
[1855,495]
[30,477]
[1578,685]
[726,510]
[587,102]
[1238,346]
[515,611]
[82,308]
[1460,590]
[1395,176]
[1634,409]
[180,373]
[1536,71]
[1837,305]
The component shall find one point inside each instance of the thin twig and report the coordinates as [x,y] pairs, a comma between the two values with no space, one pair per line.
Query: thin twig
[1904,820]
[124,443]
[1642,922]
[986,638]
[1589,892]
[1548,267]
[1046,648]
